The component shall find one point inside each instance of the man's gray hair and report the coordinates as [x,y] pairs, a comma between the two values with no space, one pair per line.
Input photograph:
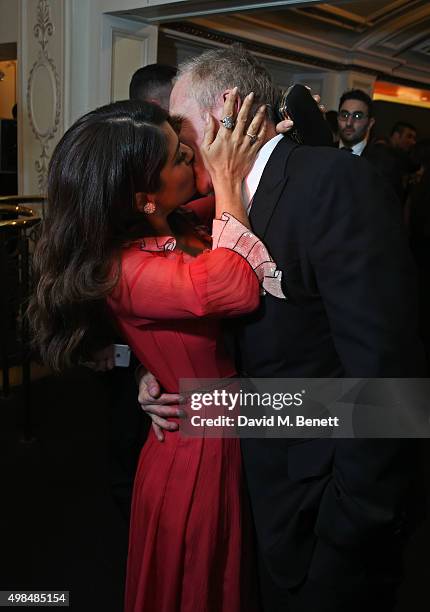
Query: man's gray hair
[214,71]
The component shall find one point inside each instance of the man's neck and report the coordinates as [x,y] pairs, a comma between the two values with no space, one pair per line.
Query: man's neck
[270,133]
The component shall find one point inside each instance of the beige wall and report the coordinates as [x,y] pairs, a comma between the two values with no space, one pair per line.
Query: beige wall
[7,88]
[8,21]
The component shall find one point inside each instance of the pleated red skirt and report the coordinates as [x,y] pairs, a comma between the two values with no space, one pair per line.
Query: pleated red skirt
[188,530]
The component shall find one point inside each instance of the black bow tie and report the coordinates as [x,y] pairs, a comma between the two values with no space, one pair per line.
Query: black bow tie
[346,149]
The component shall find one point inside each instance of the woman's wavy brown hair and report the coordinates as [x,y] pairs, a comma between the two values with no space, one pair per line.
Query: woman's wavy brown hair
[96,169]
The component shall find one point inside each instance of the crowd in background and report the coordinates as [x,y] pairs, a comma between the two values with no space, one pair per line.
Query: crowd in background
[403,160]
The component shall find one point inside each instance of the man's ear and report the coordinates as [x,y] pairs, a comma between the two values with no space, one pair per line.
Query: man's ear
[223,99]
[372,123]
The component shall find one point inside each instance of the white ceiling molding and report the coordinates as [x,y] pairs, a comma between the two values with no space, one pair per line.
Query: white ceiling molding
[345,14]
[402,41]
[215,41]
[405,21]
[391,8]
[332,19]
[159,11]
[297,41]
[369,19]
[383,37]
[269,27]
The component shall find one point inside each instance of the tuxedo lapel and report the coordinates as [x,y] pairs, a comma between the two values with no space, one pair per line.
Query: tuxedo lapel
[270,187]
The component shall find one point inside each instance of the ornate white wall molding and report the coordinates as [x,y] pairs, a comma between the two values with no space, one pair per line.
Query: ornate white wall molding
[43,72]
[41,61]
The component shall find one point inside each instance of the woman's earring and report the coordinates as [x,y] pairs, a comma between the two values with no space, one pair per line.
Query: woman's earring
[149,208]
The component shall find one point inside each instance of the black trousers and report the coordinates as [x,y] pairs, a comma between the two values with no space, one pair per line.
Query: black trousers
[372,590]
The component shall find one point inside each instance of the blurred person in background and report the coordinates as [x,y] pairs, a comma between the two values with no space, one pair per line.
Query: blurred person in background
[331,118]
[419,233]
[403,136]
[153,83]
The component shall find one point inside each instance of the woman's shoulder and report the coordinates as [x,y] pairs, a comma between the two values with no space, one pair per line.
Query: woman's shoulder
[147,246]
[137,258]
[140,252]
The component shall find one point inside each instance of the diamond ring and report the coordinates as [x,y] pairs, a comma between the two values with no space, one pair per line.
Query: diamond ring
[228,122]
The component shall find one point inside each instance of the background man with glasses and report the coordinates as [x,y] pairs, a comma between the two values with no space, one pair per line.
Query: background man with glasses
[355,120]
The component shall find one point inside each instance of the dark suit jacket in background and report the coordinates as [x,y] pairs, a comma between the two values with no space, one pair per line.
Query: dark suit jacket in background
[329,223]
[394,165]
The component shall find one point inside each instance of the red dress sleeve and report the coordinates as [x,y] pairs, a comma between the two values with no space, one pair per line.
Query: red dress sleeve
[156,286]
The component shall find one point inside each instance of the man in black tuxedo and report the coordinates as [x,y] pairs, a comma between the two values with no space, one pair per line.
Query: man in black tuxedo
[355,120]
[330,515]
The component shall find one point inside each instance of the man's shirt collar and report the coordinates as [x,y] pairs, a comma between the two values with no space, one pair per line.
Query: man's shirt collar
[357,149]
[250,184]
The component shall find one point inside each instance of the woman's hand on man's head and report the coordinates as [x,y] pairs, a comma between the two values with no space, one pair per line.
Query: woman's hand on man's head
[230,147]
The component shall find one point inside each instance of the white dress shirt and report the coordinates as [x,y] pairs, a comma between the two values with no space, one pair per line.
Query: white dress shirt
[250,184]
[357,149]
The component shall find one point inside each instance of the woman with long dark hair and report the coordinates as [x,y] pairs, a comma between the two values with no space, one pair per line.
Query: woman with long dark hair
[116,243]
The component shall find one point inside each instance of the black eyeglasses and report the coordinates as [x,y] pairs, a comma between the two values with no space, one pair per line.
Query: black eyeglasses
[344,115]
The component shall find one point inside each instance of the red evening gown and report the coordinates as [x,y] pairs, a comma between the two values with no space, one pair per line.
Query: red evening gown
[186,534]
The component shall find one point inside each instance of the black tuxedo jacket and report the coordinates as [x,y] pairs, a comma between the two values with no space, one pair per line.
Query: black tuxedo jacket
[328,222]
